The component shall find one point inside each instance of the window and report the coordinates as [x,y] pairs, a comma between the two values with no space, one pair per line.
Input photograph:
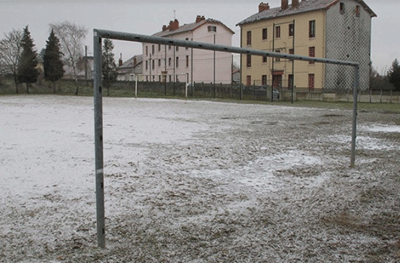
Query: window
[177,48]
[264,80]
[152,49]
[278,59]
[312,29]
[248,61]
[159,62]
[159,47]
[311,78]
[291,30]
[147,50]
[153,64]
[169,47]
[177,62]
[169,61]
[342,8]
[212,29]
[357,11]
[248,80]
[249,38]
[265,58]
[265,33]
[170,78]
[278,31]
[187,61]
[311,53]
[147,65]
[291,52]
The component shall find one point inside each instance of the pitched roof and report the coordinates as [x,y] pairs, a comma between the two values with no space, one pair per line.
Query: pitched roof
[304,6]
[129,62]
[191,27]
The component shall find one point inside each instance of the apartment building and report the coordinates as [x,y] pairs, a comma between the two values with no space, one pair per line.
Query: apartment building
[170,63]
[334,29]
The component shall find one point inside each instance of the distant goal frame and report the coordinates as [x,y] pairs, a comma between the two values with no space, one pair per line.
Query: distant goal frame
[99,34]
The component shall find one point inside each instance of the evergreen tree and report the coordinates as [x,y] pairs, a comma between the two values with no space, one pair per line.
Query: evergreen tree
[394,75]
[27,68]
[109,68]
[53,66]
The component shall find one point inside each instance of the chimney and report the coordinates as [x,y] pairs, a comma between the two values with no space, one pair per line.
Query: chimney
[164,28]
[284,4]
[173,25]
[120,60]
[200,18]
[262,7]
[295,3]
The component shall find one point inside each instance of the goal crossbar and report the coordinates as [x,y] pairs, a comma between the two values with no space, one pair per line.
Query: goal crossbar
[99,34]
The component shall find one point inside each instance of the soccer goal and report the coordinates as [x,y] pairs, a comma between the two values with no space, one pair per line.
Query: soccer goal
[173,78]
[98,35]
[184,78]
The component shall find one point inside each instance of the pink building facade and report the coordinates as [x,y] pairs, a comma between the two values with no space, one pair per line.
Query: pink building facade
[182,64]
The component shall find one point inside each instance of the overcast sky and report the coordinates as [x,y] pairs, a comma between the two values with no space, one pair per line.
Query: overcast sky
[147,17]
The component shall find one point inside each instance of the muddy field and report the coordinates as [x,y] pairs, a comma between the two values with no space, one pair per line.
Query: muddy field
[197,181]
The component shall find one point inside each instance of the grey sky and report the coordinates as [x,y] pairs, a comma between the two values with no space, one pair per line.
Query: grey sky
[147,17]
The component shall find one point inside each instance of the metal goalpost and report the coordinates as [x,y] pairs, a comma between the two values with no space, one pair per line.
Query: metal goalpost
[98,35]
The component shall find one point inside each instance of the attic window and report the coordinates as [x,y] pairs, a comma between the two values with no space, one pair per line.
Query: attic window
[358,11]
[342,8]
[212,29]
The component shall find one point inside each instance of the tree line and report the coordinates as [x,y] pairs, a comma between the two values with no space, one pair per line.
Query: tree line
[390,81]
[63,53]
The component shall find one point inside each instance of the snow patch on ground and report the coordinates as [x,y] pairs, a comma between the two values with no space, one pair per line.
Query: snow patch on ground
[193,181]
[364,142]
[381,128]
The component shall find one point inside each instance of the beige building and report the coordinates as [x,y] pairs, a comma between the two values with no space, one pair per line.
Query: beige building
[334,29]
[180,63]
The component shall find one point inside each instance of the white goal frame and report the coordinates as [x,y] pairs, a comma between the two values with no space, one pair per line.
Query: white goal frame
[186,75]
[98,35]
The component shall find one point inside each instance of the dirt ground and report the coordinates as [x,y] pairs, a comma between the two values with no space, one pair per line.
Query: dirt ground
[197,181]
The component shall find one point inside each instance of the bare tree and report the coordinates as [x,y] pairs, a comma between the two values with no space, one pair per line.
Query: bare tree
[10,53]
[71,39]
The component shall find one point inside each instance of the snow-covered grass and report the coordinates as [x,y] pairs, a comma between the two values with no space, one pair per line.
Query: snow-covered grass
[197,181]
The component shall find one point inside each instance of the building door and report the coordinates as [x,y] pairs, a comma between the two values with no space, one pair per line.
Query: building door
[277,81]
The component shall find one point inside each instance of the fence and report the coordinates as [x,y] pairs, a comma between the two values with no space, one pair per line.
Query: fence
[254,92]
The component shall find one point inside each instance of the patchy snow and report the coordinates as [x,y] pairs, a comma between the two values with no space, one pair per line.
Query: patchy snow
[195,181]
[365,142]
[382,128]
